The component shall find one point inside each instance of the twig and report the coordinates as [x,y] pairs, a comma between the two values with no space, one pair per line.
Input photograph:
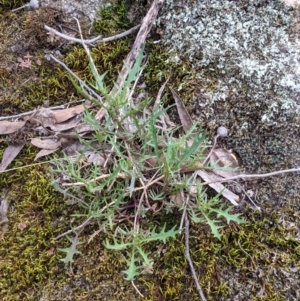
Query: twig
[246,252]
[149,184]
[50,56]
[139,41]
[97,39]
[248,196]
[119,175]
[85,223]
[243,176]
[137,289]
[211,151]
[144,193]
[157,105]
[184,202]
[25,166]
[31,112]
[188,257]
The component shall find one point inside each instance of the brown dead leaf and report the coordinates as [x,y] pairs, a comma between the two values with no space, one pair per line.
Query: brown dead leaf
[95,158]
[68,125]
[44,117]
[80,130]
[84,128]
[222,157]
[65,114]
[176,200]
[22,226]
[100,114]
[72,147]
[8,127]
[45,143]
[51,251]
[24,63]
[218,187]
[10,153]
[44,152]
[184,116]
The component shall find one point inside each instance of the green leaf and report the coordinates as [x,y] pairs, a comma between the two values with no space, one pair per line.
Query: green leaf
[71,251]
[132,270]
[227,215]
[136,68]
[116,246]
[162,235]
[214,228]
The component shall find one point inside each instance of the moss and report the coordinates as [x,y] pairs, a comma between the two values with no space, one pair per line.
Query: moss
[25,251]
[10,4]
[112,18]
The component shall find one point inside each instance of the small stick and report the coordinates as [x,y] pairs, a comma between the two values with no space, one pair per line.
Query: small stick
[121,175]
[149,184]
[211,151]
[139,41]
[31,112]
[93,40]
[32,4]
[50,56]
[243,176]
[137,289]
[188,257]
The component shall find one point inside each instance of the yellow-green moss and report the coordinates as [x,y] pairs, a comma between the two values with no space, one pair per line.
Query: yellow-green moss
[10,4]
[112,18]
[25,254]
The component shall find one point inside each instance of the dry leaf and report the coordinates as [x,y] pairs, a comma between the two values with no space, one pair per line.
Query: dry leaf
[176,200]
[68,125]
[45,143]
[100,114]
[22,226]
[65,114]
[222,157]
[45,117]
[24,63]
[95,158]
[44,152]
[10,153]
[8,127]
[51,251]
[184,116]
[218,187]
[84,128]
[72,147]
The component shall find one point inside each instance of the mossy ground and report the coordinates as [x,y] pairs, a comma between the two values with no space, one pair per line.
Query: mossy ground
[261,256]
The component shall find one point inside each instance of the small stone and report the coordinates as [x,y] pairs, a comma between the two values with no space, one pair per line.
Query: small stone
[222,131]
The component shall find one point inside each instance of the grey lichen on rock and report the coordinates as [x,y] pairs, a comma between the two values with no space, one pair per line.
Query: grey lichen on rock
[243,43]
[246,61]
